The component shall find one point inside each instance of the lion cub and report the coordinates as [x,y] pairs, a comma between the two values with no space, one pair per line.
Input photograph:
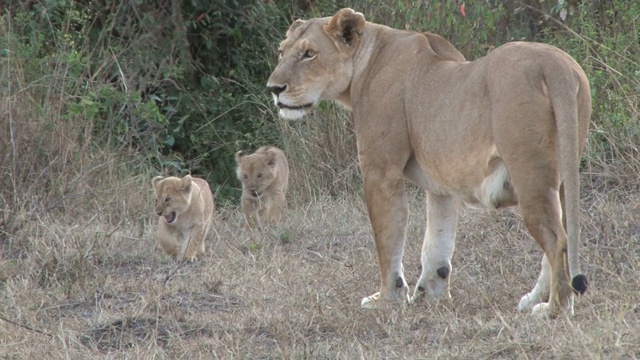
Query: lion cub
[264,176]
[185,212]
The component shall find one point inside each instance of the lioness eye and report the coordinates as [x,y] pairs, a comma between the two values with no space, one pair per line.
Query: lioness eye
[259,175]
[309,54]
[167,199]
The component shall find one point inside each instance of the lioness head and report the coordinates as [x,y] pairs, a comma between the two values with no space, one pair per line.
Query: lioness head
[315,62]
[173,196]
[256,171]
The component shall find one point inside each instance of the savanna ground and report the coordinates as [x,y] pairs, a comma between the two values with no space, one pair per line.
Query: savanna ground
[96,286]
[82,277]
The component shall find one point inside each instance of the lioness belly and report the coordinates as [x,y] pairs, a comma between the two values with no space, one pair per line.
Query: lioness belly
[489,187]
[495,191]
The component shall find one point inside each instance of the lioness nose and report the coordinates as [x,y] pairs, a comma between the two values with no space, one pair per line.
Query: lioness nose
[276,89]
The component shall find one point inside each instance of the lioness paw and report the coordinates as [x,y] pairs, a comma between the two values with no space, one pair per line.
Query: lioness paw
[528,301]
[544,310]
[376,301]
[370,302]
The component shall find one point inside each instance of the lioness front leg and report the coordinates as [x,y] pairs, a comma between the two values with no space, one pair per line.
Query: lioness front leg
[388,211]
[437,248]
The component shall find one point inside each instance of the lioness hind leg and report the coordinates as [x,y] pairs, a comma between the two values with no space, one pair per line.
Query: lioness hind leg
[540,292]
[437,248]
[542,216]
[388,211]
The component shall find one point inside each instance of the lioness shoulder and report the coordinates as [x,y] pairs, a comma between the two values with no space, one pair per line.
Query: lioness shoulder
[185,209]
[265,177]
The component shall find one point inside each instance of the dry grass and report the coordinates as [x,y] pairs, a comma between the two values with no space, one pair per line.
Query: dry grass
[94,287]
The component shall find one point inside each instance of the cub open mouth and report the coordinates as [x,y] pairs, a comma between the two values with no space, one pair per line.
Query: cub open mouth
[171,217]
[255,193]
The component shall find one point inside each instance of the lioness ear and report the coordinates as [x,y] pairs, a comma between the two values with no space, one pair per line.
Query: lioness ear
[296,24]
[186,183]
[156,181]
[346,26]
[443,48]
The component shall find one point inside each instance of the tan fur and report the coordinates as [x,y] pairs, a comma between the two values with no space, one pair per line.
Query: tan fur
[265,177]
[504,130]
[191,200]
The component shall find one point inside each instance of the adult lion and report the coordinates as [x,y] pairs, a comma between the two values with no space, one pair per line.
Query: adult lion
[504,130]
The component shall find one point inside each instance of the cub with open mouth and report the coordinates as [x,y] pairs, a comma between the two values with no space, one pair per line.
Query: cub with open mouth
[264,176]
[185,209]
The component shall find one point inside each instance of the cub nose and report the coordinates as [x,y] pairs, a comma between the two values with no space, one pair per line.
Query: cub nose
[277,89]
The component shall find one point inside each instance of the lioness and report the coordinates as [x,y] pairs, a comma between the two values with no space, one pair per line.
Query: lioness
[185,212]
[264,176]
[507,129]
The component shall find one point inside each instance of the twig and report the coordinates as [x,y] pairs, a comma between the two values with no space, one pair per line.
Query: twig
[27,327]
[172,272]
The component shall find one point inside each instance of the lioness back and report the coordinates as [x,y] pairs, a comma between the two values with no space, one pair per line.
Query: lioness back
[185,208]
[265,177]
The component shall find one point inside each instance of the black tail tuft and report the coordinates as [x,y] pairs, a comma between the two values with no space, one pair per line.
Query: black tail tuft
[579,283]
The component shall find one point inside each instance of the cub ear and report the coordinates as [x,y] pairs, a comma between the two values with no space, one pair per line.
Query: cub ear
[156,181]
[346,26]
[270,156]
[296,24]
[239,156]
[186,183]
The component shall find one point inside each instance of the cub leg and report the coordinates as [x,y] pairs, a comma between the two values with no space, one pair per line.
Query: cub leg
[166,239]
[193,243]
[386,200]
[437,248]
[250,207]
[540,292]
[276,208]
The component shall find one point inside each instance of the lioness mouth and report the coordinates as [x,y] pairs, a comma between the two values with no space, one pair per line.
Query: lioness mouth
[301,107]
[170,218]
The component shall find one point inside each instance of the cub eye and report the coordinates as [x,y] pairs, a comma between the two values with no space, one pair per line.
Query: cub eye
[167,199]
[309,54]
[259,175]
[245,176]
